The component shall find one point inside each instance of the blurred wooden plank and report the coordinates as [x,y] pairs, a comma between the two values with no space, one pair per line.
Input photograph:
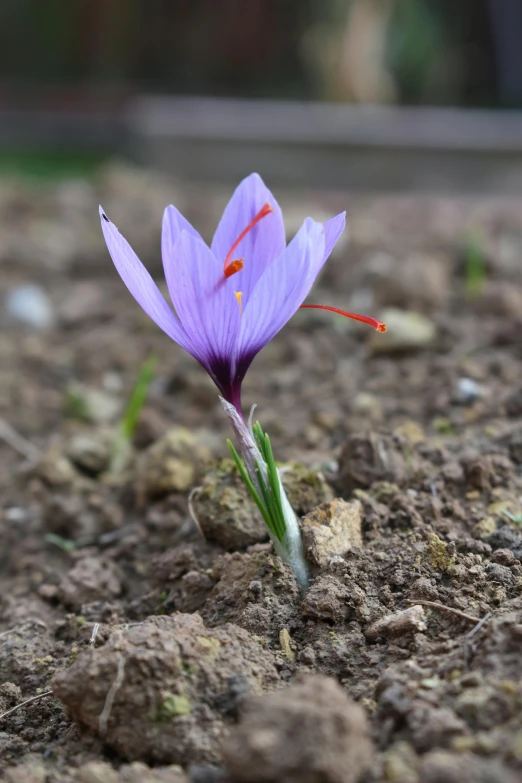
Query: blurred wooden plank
[330,145]
[296,144]
[327,123]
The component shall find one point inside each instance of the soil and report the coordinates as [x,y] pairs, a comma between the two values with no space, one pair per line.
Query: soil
[145,605]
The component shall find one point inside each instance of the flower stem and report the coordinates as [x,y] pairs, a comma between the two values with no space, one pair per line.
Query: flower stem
[256,465]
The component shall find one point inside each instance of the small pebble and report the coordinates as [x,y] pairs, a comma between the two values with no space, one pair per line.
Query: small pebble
[467,391]
[399,623]
[30,305]
[17,514]
[407,331]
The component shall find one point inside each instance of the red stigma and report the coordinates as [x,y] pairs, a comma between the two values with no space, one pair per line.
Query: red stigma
[231,267]
[365,319]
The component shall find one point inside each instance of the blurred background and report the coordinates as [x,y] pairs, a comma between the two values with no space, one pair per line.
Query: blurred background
[365,51]
[316,92]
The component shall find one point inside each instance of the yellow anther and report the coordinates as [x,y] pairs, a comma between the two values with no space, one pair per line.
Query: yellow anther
[239,296]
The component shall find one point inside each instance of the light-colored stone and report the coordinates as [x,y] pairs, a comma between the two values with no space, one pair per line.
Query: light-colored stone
[406,331]
[96,772]
[367,405]
[91,451]
[411,431]
[54,468]
[137,772]
[173,463]
[332,529]
[31,772]
[30,305]
[141,773]
[406,621]
[93,405]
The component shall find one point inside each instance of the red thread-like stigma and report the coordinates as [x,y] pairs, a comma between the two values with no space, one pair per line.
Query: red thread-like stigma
[234,266]
[365,319]
[231,267]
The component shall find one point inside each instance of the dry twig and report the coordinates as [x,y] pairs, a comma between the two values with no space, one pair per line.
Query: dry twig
[458,612]
[94,633]
[194,492]
[111,695]
[24,703]
[478,626]
[17,442]
[27,623]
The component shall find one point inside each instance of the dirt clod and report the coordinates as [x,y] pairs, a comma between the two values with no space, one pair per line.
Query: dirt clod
[91,452]
[54,468]
[309,732]
[225,510]
[441,766]
[90,579]
[366,459]
[172,464]
[326,599]
[305,488]
[154,691]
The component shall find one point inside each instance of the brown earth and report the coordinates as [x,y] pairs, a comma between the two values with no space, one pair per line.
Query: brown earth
[402,662]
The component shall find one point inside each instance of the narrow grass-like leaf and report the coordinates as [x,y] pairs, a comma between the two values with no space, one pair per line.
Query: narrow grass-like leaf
[127,425]
[264,484]
[249,484]
[275,485]
[65,544]
[273,480]
[138,397]
[268,498]
[515,518]
[271,505]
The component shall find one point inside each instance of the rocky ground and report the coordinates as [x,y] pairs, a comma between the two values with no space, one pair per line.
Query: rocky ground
[145,606]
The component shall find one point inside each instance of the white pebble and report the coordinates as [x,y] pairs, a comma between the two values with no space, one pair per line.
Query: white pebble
[30,305]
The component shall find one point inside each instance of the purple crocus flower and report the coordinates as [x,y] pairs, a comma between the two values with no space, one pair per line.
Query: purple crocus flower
[230,299]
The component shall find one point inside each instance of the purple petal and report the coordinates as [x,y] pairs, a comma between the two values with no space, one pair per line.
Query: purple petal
[281,290]
[141,285]
[264,243]
[204,301]
[172,226]
[333,229]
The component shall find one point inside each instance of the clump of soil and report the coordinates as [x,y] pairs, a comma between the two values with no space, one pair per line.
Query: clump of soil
[175,644]
[161,690]
[310,732]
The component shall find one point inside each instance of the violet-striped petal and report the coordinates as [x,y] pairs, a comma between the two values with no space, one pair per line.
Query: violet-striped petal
[264,243]
[141,285]
[203,299]
[281,290]
[172,225]
[333,229]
